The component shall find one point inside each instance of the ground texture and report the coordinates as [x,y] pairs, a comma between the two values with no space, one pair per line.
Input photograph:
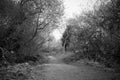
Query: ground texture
[56,69]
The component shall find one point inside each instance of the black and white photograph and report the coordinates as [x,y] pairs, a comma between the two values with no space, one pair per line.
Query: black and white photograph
[59,39]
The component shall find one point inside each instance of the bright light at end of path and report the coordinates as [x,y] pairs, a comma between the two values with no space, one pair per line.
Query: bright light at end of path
[73,8]
[57,34]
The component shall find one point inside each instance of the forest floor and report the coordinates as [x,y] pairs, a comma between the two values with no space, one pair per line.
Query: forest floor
[56,69]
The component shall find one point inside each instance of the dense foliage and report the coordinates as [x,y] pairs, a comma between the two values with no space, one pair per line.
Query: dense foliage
[23,24]
[96,34]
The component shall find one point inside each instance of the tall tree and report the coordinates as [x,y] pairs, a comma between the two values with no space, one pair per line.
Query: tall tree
[23,23]
[99,33]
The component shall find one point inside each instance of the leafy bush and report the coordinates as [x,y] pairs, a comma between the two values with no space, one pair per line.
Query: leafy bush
[23,28]
[96,34]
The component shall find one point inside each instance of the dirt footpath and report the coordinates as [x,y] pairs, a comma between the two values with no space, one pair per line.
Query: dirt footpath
[71,72]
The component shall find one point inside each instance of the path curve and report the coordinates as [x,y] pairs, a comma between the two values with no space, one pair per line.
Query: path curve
[56,69]
[71,72]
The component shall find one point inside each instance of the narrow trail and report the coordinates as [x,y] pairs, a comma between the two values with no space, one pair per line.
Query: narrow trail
[57,70]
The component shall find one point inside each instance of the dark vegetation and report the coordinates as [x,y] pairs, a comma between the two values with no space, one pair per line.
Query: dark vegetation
[96,35]
[23,28]
[23,24]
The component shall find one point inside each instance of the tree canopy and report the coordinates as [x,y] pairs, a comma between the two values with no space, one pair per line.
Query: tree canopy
[98,34]
[24,23]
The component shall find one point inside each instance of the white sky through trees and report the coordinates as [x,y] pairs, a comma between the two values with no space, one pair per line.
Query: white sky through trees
[76,7]
[73,8]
